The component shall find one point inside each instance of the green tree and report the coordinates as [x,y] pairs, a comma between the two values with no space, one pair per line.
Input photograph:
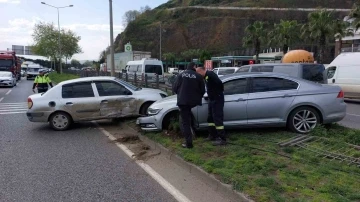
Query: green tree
[75,63]
[342,29]
[102,57]
[256,36]
[45,39]
[320,27]
[285,34]
[169,58]
[355,16]
[205,55]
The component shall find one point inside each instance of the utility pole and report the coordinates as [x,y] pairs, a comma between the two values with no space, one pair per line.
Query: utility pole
[112,62]
[160,38]
[59,44]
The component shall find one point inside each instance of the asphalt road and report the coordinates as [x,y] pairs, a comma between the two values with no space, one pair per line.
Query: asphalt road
[39,164]
[352,118]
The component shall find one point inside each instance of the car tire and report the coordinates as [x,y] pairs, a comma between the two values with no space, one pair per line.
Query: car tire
[303,120]
[144,108]
[60,121]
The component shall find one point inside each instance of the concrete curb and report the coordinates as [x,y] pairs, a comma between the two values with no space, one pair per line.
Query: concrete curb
[209,179]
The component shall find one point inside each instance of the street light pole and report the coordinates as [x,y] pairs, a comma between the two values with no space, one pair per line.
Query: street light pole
[160,38]
[60,63]
[59,43]
[112,62]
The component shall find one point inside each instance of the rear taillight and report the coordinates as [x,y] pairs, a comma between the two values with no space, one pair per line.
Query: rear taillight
[30,103]
[341,94]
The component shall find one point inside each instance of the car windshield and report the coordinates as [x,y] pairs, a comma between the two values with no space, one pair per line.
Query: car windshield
[33,69]
[128,85]
[6,63]
[5,74]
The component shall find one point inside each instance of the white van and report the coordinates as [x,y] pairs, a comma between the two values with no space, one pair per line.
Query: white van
[344,71]
[150,67]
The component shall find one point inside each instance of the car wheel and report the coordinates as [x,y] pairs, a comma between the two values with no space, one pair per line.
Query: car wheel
[303,120]
[60,121]
[144,108]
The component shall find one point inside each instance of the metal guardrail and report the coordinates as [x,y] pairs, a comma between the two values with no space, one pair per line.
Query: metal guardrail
[140,80]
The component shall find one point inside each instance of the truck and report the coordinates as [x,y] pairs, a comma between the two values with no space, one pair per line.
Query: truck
[11,63]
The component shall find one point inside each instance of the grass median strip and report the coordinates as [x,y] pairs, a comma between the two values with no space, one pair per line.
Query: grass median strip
[57,78]
[256,165]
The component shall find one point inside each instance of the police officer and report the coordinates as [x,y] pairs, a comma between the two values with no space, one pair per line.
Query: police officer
[190,88]
[215,91]
[41,82]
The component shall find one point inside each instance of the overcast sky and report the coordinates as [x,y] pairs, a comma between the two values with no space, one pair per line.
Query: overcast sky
[88,18]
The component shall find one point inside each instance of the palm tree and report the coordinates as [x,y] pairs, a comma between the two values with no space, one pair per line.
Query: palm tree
[285,34]
[355,16]
[256,35]
[321,28]
[342,29]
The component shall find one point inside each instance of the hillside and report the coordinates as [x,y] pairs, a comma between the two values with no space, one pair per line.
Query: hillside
[218,30]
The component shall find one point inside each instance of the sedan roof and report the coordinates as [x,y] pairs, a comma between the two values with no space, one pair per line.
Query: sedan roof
[252,74]
[84,79]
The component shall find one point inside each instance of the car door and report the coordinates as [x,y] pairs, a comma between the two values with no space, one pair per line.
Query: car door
[269,99]
[79,99]
[235,95]
[115,100]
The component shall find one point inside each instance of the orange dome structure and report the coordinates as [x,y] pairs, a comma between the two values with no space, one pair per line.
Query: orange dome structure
[298,56]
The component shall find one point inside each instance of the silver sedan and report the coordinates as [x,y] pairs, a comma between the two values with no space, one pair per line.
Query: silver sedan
[260,100]
[91,98]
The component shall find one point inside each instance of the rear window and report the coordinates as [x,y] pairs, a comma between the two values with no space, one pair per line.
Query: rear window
[154,69]
[226,71]
[77,90]
[244,69]
[314,72]
[33,69]
[262,69]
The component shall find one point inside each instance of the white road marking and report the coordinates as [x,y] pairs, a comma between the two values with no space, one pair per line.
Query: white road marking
[8,92]
[156,176]
[13,108]
[1,99]
[353,114]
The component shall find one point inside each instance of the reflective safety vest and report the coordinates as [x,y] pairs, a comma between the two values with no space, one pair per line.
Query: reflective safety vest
[42,82]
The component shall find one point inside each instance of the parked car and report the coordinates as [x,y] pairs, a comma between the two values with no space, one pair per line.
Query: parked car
[32,71]
[311,72]
[344,71]
[260,100]
[90,98]
[222,71]
[7,79]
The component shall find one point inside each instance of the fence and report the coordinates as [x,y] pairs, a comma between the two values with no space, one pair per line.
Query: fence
[142,80]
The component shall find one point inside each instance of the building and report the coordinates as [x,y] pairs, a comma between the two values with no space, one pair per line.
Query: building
[21,50]
[348,43]
[121,59]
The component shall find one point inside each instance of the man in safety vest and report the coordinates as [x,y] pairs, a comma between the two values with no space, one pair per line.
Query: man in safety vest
[41,82]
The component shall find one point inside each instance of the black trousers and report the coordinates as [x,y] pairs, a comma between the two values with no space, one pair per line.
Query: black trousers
[42,90]
[185,114]
[216,118]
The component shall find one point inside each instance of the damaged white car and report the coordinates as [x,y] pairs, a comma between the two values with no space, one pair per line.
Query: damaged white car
[90,98]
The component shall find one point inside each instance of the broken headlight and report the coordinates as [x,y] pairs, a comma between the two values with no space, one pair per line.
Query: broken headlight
[153,111]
